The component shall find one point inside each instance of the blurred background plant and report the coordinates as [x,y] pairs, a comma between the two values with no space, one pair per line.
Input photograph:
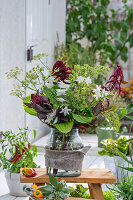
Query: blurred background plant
[129,90]
[87,20]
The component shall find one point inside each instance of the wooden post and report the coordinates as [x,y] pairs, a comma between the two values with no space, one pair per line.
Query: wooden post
[96,191]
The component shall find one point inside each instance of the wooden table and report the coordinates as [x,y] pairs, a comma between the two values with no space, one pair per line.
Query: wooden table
[94,178]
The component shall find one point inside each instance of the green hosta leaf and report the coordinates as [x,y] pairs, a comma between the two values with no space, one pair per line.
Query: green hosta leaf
[64,127]
[82,119]
[31,111]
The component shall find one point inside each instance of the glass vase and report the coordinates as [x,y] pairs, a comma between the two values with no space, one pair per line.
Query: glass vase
[62,141]
[62,144]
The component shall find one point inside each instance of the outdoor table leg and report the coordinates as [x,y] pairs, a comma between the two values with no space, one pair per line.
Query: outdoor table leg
[96,191]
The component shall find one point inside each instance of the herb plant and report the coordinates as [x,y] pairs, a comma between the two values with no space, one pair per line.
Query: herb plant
[16,151]
[53,190]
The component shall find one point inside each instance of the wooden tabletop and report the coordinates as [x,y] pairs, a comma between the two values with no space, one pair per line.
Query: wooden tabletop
[87,176]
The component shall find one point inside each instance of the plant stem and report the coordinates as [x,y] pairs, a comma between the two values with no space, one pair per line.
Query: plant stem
[63,141]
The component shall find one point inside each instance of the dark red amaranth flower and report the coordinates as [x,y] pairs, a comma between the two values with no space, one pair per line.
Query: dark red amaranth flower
[36,99]
[61,72]
[116,80]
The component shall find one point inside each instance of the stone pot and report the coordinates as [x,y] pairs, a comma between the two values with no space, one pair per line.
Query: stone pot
[112,164]
[13,182]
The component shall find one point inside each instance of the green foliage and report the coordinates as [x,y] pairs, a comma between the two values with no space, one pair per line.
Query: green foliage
[33,78]
[109,195]
[129,142]
[82,119]
[80,191]
[113,120]
[54,189]
[64,127]
[123,189]
[9,141]
[31,111]
[86,19]
[111,147]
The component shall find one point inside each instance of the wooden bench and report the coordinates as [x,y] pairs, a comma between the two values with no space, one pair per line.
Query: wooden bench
[94,178]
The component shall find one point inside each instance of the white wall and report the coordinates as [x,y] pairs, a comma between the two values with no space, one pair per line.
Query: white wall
[14,41]
[12,53]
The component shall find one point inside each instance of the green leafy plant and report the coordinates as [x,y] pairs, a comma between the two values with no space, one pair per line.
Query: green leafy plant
[111,147]
[87,19]
[123,189]
[80,191]
[16,151]
[53,190]
[126,113]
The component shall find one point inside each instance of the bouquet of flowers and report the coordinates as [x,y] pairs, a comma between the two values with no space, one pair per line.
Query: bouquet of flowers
[64,98]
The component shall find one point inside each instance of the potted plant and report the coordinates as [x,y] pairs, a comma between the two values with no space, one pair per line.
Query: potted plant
[66,100]
[124,188]
[16,153]
[52,190]
[111,155]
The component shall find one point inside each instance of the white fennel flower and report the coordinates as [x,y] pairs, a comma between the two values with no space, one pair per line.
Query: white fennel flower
[46,73]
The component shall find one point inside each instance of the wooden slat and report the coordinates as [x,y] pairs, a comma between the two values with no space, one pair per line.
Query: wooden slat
[75,198]
[72,198]
[87,176]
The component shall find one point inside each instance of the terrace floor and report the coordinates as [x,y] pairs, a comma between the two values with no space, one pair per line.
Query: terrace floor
[91,160]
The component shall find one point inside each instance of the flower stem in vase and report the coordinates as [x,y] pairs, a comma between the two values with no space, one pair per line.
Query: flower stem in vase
[63,141]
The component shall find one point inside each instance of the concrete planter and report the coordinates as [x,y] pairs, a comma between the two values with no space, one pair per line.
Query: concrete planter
[15,187]
[112,164]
